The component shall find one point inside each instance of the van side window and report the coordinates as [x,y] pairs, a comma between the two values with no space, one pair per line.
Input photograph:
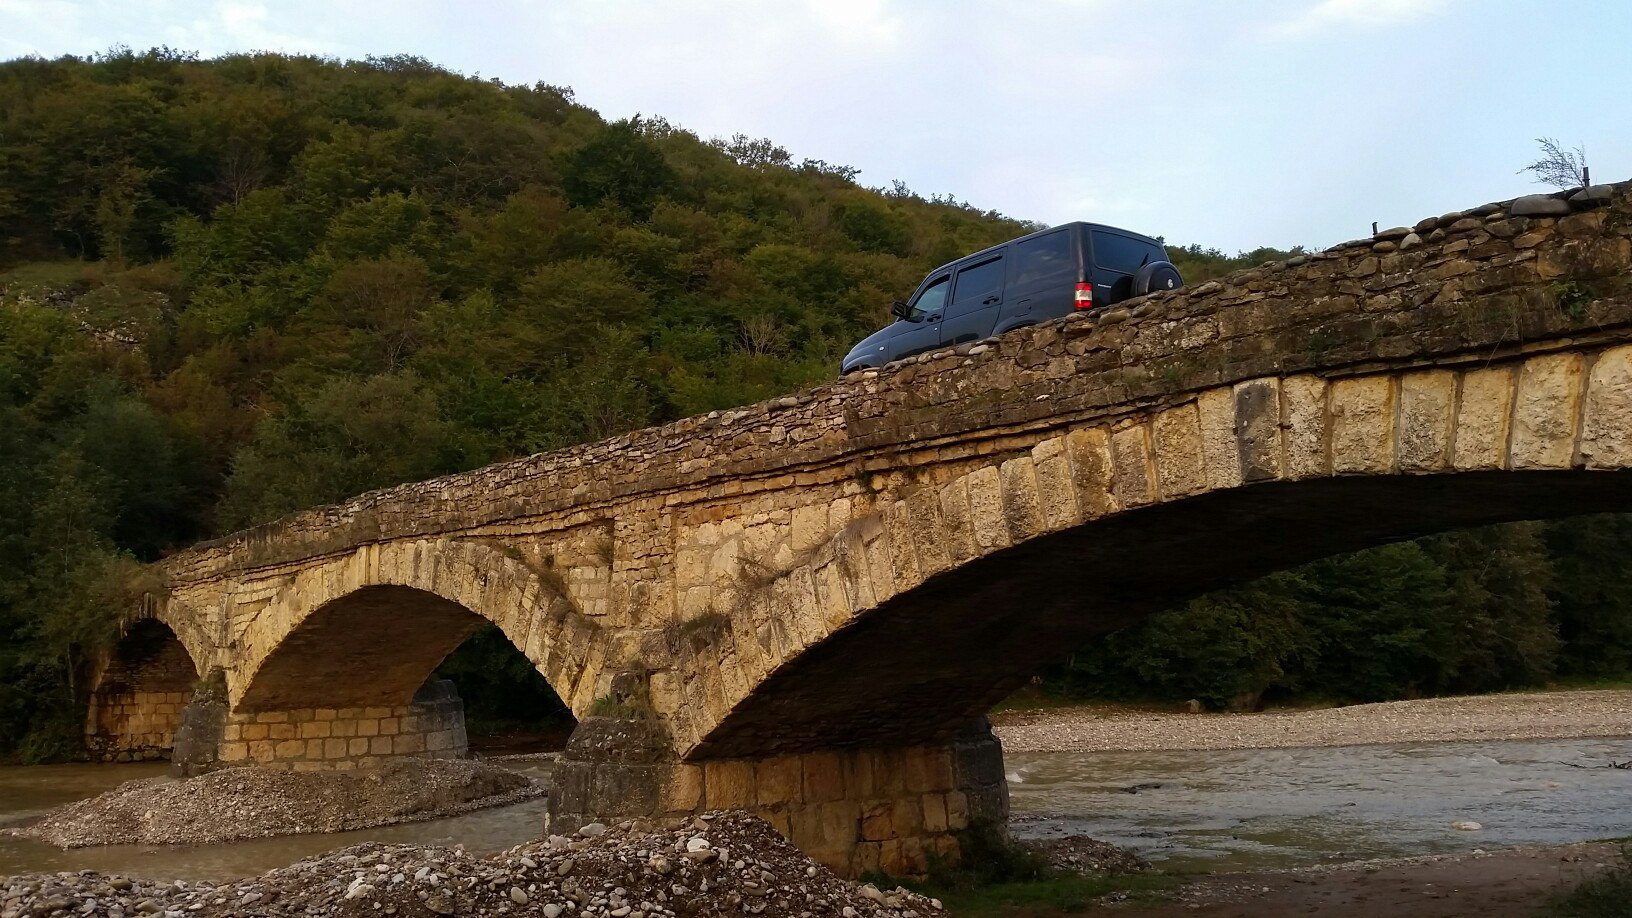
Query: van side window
[1044,258]
[932,300]
[1122,254]
[978,282]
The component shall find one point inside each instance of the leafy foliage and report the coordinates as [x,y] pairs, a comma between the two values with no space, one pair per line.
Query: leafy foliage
[1474,611]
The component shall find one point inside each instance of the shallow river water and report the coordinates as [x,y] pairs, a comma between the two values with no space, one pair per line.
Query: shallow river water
[1253,808]
[1213,810]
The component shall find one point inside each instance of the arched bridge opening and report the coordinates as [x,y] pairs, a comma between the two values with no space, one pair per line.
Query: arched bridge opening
[357,681]
[139,693]
[921,666]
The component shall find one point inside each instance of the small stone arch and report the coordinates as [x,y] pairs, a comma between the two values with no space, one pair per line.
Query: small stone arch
[138,693]
[367,629]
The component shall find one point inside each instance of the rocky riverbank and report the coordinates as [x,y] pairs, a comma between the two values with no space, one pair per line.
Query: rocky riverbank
[715,864]
[1528,716]
[249,802]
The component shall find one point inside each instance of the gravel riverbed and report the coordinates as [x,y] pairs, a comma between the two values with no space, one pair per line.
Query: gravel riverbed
[1528,716]
[714,864]
[252,802]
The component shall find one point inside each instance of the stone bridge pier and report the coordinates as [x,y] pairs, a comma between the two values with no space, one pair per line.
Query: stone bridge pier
[805,607]
[855,809]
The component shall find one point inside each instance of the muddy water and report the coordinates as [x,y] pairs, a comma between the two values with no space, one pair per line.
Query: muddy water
[32,790]
[1256,808]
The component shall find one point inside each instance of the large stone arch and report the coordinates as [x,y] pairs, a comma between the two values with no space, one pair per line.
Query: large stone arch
[921,613]
[366,629]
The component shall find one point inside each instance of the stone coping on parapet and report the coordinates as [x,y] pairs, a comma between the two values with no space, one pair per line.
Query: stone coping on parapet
[1395,298]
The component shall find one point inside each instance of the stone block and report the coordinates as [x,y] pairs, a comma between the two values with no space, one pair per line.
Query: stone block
[1256,408]
[1482,417]
[1545,411]
[408,743]
[1180,467]
[1056,492]
[325,714]
[934,816]
[730,784]
[345,728]
[878,820]
[390,726]
[957,810]
[1427,414]
[250,731]
[335,747]
[1362,410]
[1221,458]
[864,858]
[1092,471]
[1022,508]
[272,717]
[1606,425]
[987,519]
[956,513]
[683,789]
[1303,422]
[1133,479]
[357,745]
[778,780]
[379,745]
[368,727]
[315,729]
[823,774]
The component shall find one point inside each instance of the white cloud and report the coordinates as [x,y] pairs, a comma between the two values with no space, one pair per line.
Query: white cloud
[1368,14]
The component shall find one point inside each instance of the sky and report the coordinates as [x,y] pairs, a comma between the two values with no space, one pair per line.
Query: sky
[1228,124]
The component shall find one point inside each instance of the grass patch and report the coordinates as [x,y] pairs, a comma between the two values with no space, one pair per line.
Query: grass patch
[1062,895]
[44,275]
[1604,896]
[997,876]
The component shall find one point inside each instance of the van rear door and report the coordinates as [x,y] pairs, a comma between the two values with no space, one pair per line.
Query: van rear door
[1116,258]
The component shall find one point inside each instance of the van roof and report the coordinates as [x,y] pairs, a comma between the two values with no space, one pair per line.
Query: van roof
[1082,223]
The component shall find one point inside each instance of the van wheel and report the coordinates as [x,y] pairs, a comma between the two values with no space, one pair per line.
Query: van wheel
[1158,275]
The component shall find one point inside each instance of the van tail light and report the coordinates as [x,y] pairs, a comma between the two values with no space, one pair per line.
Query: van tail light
[1085,296]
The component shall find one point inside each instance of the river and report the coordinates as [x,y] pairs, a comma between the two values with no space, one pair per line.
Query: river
[1213,810]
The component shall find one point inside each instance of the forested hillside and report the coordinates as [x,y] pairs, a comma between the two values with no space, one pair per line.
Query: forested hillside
[236,287]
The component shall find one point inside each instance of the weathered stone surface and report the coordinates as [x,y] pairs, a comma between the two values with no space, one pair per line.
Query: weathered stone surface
[1482,419]
[1606,426]
[1544,419]
[1427,408]
[1179,461]
[1539,205]
[1303,401]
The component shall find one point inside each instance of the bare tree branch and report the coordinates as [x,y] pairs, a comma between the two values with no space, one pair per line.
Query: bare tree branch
[1561,168]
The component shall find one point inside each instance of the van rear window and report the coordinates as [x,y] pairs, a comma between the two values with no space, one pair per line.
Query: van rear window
[1122,254]
[1044,258]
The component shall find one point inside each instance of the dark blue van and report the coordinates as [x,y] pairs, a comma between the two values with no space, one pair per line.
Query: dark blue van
[1024,281]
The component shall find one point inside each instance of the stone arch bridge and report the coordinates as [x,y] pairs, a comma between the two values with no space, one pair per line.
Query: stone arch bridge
[814,599]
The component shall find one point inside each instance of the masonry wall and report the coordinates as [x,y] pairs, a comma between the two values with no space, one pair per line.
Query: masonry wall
[343,739]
